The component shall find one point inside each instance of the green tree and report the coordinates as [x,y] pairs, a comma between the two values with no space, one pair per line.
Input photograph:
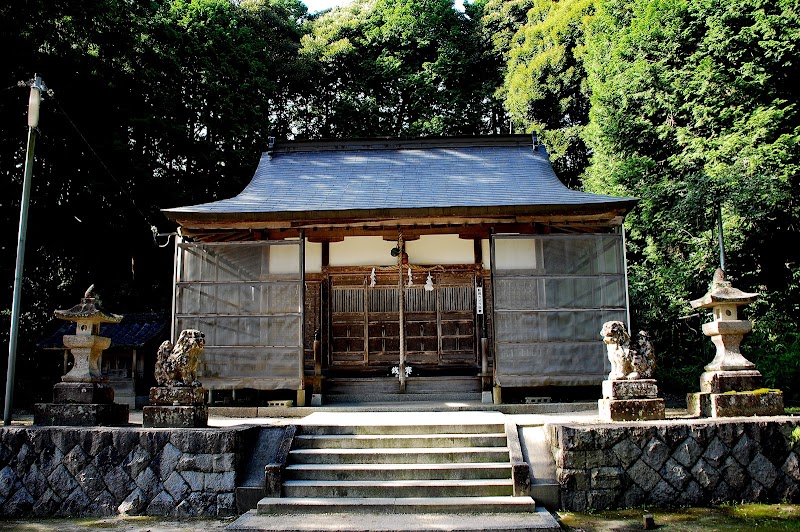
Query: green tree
[545,83]
[400,67]
[157,104]
[694,105]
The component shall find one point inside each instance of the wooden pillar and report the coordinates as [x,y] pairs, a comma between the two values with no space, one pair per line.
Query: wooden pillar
[301,392]
[402,365]
[317,364]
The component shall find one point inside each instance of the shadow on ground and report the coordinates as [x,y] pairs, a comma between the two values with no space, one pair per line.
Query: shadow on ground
[724,518]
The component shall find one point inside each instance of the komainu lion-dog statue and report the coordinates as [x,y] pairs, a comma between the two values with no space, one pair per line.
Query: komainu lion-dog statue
[177,365]
[628,361]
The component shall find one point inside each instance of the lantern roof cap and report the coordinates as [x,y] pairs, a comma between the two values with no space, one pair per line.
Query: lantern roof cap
[722,292]
[88,309]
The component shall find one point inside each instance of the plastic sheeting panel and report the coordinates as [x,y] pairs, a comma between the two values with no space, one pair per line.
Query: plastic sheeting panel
[552,295]
[247,300]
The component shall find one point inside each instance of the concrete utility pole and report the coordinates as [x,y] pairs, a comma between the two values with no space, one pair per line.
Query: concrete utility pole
[37,86]
[721,238]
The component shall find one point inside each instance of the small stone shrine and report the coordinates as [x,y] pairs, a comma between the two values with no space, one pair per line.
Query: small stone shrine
[629,392]
[84,397]
[179,399]
[731,385]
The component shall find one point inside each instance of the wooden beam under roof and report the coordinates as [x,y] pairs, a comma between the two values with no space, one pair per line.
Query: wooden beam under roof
[468,231]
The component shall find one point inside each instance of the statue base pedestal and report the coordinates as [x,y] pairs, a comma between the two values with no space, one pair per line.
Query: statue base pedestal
[631,409]
[80,414]
[630,400]
[177,395]
[630,389]
[191,416]
[176,407]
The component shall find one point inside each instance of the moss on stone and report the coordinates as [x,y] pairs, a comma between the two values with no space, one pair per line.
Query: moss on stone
[759,391]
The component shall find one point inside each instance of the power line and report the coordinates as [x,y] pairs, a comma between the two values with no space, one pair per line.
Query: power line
[125,192]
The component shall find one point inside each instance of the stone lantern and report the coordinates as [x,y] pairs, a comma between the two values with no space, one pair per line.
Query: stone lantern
[86,344]
[84,397]
[731,385]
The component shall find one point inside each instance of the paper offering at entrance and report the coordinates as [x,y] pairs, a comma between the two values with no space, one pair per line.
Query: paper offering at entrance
[479,299]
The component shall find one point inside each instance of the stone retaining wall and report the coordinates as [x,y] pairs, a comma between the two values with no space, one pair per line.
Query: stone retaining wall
[677,462]
[65,471]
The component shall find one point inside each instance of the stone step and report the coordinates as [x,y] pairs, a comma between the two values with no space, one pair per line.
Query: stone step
[398,429]
[359,398]
[396,505]
[381,521]
[399,455]
[366,441]
[452,471]
[398,488]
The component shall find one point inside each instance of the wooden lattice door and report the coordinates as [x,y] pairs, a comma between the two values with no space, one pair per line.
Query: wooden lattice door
[439,332]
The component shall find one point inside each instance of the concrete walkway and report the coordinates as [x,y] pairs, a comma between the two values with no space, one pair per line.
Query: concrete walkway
[331,522]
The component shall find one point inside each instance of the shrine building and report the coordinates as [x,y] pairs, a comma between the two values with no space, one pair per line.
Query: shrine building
[456,264]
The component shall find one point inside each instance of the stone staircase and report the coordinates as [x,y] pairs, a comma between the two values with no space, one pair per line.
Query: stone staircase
[380,477]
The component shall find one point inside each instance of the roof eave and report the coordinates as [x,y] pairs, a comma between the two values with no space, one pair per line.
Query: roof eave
[201,219]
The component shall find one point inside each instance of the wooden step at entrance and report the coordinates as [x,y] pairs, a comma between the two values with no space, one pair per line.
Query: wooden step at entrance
[387,389]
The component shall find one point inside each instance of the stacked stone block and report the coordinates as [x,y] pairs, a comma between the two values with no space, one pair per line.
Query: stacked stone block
[671,464]
[49,471]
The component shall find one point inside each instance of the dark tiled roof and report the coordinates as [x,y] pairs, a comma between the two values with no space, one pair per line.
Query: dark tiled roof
[477,172]
[134,331]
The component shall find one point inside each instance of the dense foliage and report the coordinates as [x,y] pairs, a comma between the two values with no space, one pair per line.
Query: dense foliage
[694,110]
[397,68]
[546,81]
[155,104]
[690,106]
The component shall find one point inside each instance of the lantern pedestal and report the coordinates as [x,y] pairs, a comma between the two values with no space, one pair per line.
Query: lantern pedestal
[732,394]
[80,415]
[83,393]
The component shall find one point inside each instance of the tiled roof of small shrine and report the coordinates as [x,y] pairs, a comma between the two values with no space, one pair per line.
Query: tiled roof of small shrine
[470,174]
[133,331]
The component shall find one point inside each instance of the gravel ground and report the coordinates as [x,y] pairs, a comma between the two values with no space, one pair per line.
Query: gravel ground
[119,524]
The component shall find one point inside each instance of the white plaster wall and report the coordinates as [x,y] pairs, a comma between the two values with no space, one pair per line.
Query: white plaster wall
[374,251]
[362,251]
[284,259]
[440,249]
[313,257]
